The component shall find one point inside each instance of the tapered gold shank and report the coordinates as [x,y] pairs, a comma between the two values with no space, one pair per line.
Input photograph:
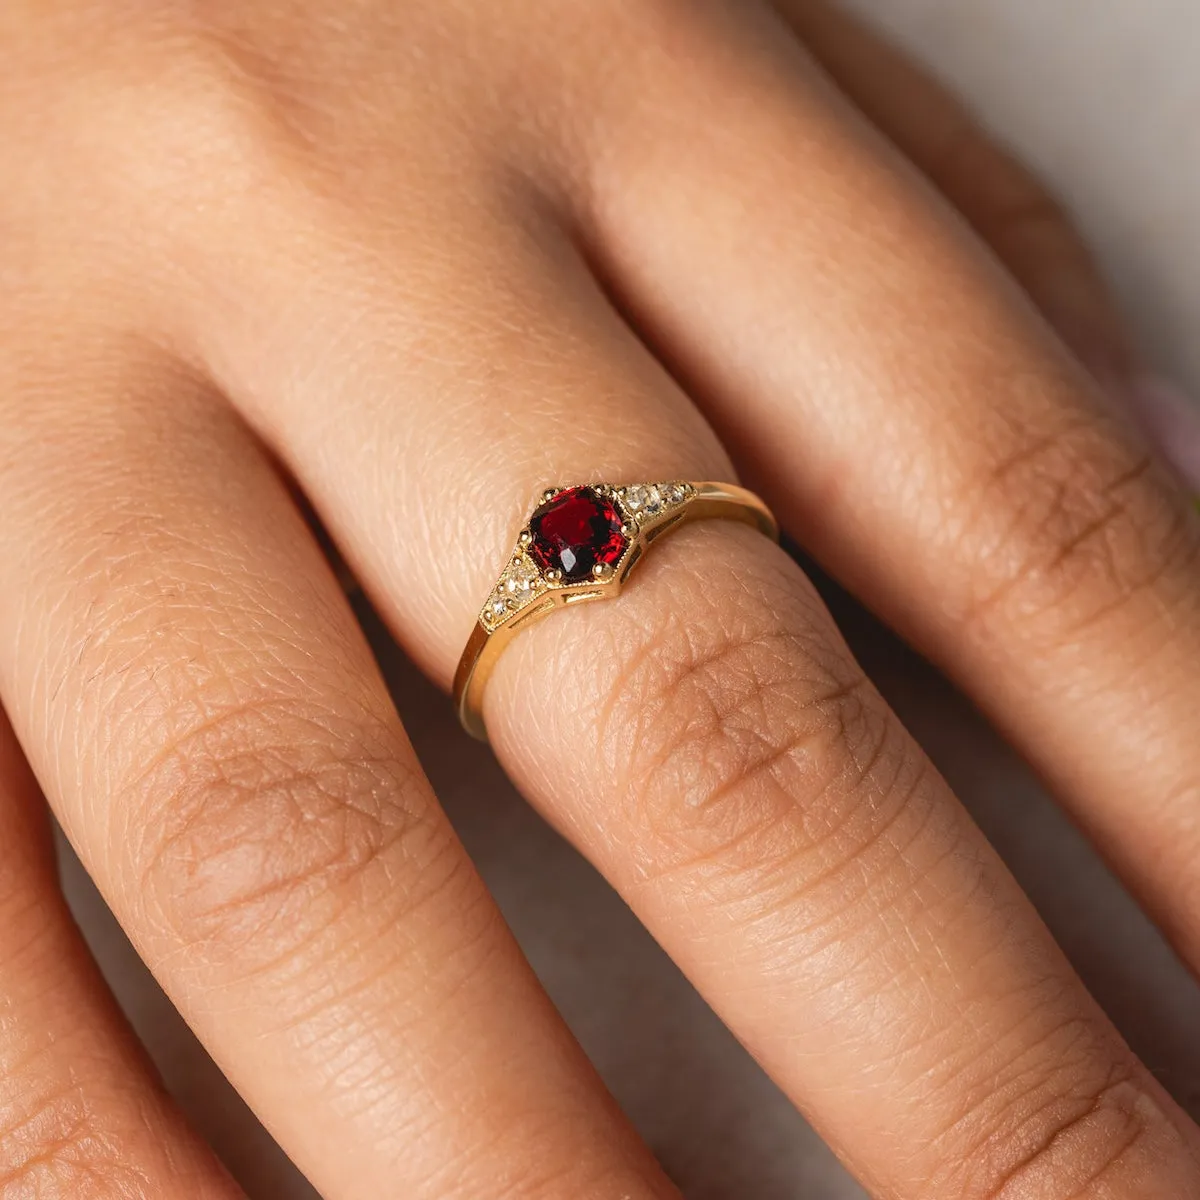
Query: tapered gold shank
[703,502]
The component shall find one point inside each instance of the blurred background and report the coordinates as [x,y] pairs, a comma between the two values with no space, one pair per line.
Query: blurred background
[1101,97]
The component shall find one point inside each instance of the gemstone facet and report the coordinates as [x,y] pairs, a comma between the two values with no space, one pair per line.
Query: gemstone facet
[576,531]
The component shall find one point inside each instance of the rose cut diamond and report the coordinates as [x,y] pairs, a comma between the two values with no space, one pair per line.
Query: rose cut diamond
[646,500]
[519,580]
[643,499]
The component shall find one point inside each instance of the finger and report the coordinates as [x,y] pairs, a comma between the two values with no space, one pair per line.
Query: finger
[81,1113]
[706,739]
[922,436]
[1010,209]
[222,752]
[1006,204]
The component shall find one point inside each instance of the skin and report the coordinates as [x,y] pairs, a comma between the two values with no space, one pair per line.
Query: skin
[420,262]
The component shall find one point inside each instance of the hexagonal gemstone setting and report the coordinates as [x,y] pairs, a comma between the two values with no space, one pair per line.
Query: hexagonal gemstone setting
[575,532]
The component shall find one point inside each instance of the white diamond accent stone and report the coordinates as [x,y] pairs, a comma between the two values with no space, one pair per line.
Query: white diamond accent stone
[520,579]
[519,584]
[643,500]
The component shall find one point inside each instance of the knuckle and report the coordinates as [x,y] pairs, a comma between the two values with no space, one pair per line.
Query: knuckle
[1029,221]
[1078,1143]
[55,1146]
[263,822]
[1072,525]
[1007,202]
[160,107]
[760,750]
[207,118]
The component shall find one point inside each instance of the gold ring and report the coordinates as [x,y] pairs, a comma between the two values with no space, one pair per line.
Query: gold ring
[580,544]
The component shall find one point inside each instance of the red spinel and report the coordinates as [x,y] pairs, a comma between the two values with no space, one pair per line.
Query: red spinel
[576,531]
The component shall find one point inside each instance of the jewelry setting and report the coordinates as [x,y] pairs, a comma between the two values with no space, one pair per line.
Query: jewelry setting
[577,536]
[580,544]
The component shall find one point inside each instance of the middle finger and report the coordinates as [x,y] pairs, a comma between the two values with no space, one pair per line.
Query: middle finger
[212,732]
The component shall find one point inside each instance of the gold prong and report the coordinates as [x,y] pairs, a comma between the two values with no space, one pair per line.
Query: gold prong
[549,493]
[554,575]
[524,538]
[602,571]
[627,530]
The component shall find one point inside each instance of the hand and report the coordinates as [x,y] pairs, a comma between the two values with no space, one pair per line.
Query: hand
[424,260]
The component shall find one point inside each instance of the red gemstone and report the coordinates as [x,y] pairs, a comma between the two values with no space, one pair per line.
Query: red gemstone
[576,531]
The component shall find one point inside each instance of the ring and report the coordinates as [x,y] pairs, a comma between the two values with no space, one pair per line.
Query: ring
[580,544]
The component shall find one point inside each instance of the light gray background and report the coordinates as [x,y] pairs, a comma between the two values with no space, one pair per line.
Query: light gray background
[1101,96]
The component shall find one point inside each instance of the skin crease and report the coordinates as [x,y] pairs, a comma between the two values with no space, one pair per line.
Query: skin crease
[345,239]
[68,1133]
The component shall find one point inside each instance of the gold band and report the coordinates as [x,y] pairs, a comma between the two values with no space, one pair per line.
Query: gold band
[580,544]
